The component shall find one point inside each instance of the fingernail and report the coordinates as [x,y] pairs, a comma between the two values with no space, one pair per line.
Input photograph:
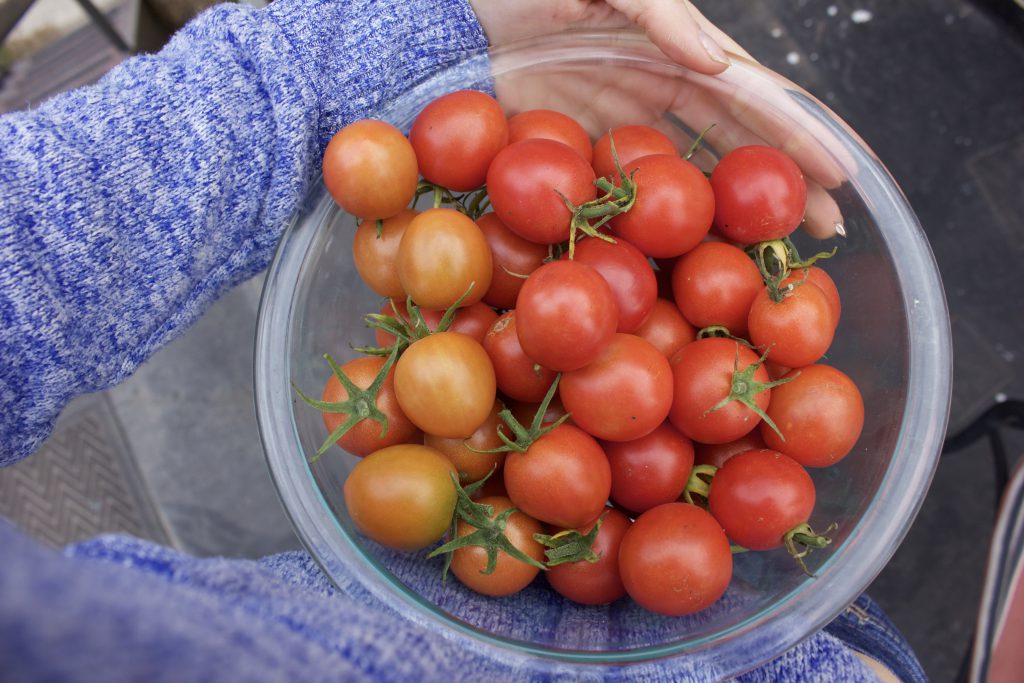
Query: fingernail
[840,229]
[713,49]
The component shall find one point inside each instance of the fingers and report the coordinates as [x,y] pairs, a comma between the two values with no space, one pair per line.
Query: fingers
[671,26]
[822,218]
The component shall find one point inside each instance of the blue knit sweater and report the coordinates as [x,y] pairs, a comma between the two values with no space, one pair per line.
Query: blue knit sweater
[126,208]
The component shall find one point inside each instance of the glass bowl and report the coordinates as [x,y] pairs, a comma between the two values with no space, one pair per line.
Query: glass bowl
[893,339]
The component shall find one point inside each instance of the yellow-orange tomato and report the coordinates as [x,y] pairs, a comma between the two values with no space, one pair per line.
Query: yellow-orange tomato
[402,496]
[445,384]
[442,253]
[370,169]
[510,575]
[376,256]
[472,465]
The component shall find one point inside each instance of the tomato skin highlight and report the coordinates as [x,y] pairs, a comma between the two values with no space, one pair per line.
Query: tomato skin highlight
[594,583]
[370,169]
[402,496]
[821,414]
[565,315]
[552,125]
[631,143]
[675,560]
[628,274]
[715,284]
[562,479]
[511,256]
[673,209]
[364,437]
[760,194]
[651,470]
[757,496]
[457,136]
[441,254]
[510,575]
[524,182]
[702,374]
[518,376]
[623,394]
[445,384]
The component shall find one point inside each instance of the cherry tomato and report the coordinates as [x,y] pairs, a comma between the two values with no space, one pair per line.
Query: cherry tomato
[525,411]
[820,413]
[627,272]
[796,331]
[757,496]
[552,125]
[370,169]
[445,384]
[716,454]
[402,496]
[472,321]
[673,209]
[651,470]
[675,560]
[666,328]
[364,437]
[457,136]
[826,284]
[623,394]
[471,464]
[518,376]
[703,374]
[715,284]
[510,575]
[631,143]
[760,194]
[527,182]
[594,583]
[512,257]
[563,478]
[442,253]
[376,256]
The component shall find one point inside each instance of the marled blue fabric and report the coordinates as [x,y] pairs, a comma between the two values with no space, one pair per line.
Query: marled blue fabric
[126,209]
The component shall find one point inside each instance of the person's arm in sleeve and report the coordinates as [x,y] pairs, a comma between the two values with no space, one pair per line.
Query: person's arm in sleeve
[128,207]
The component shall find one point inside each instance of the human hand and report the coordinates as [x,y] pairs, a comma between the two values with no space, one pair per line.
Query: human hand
[675,26]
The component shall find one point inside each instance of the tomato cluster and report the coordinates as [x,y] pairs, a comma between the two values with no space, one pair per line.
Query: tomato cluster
[593,360]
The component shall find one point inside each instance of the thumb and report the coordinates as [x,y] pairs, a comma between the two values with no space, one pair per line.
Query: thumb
[670,25]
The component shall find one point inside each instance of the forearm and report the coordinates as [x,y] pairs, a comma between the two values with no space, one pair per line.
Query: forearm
[127,207]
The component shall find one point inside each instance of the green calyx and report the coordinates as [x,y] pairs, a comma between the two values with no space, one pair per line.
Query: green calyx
[570,545]
[522,436]
[699,484]
[776,259]
[489,532]
[473,203]
[801,540]
[406,331]
[361,404]
[744,388]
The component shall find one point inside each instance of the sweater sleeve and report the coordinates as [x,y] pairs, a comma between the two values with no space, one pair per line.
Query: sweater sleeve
[128,207]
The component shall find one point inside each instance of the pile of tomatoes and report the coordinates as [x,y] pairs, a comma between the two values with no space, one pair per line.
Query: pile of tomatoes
[593,360]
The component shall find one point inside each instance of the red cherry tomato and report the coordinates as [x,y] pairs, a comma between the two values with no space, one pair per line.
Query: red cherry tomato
[457,136]
[715,284]
[594,583]
[627,272]
[552,125]
[673,208]
[760,194]
[518,376]
[758,496]
[820,413]
[623,394]
[796,331]
[631,143]
[666,328]
[370,169]
[826,284]
[512,257]
[703,374]
[651,470]
[565,315]
[563,478]
[675,560]
[527,182]
[716,454]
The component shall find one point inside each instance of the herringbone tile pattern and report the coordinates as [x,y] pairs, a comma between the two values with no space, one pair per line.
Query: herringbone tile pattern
[81,483]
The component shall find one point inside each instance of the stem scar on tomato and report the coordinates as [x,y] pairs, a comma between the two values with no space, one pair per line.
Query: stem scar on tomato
[360,405]
[743,388]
